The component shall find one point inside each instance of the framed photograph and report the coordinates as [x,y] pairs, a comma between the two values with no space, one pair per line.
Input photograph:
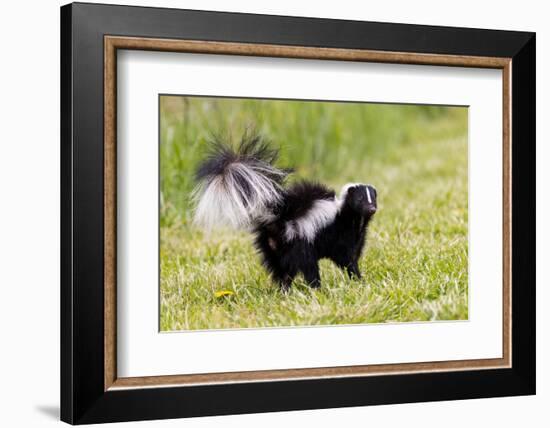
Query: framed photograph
[265,213]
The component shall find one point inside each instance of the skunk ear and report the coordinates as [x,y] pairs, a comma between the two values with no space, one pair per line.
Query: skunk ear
[374,190]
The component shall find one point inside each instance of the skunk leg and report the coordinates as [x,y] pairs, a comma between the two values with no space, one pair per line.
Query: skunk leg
[311,274]
[353,270]
[285,283]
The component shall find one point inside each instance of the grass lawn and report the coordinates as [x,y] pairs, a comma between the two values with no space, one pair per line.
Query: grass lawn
[415,263]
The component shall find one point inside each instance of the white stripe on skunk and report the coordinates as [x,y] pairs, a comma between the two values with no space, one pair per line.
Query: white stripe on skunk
[322,213]
[317,217]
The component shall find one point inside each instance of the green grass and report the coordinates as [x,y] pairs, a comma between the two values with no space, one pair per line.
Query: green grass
[415,265]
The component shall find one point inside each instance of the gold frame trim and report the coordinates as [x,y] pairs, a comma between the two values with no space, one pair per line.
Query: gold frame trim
[112,43]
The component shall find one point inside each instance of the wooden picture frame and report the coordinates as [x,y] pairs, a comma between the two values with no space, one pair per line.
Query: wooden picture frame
[91,390]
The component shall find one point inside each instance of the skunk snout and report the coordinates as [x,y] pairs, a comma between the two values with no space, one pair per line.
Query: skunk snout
[371,209]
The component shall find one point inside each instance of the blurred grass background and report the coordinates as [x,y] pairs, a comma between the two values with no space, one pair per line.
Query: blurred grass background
[415,263]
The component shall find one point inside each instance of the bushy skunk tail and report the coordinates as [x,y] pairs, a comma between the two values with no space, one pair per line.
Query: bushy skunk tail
[238,188]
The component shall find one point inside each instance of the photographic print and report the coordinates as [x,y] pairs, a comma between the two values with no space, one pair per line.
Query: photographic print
[339,185]
[280,213]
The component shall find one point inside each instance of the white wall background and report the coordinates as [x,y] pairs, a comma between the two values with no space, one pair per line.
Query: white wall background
[29,213]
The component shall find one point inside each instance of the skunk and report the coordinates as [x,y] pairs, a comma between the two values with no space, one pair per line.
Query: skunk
[294,226]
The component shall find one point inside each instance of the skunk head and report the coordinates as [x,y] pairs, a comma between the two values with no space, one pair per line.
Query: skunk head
[360,197]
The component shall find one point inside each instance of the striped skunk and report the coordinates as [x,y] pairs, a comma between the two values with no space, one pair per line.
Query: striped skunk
[294,226]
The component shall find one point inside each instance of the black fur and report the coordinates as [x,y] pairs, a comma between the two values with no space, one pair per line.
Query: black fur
[299,199]
[341,239]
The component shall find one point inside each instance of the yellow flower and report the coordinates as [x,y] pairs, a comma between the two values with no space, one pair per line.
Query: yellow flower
[223,293]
